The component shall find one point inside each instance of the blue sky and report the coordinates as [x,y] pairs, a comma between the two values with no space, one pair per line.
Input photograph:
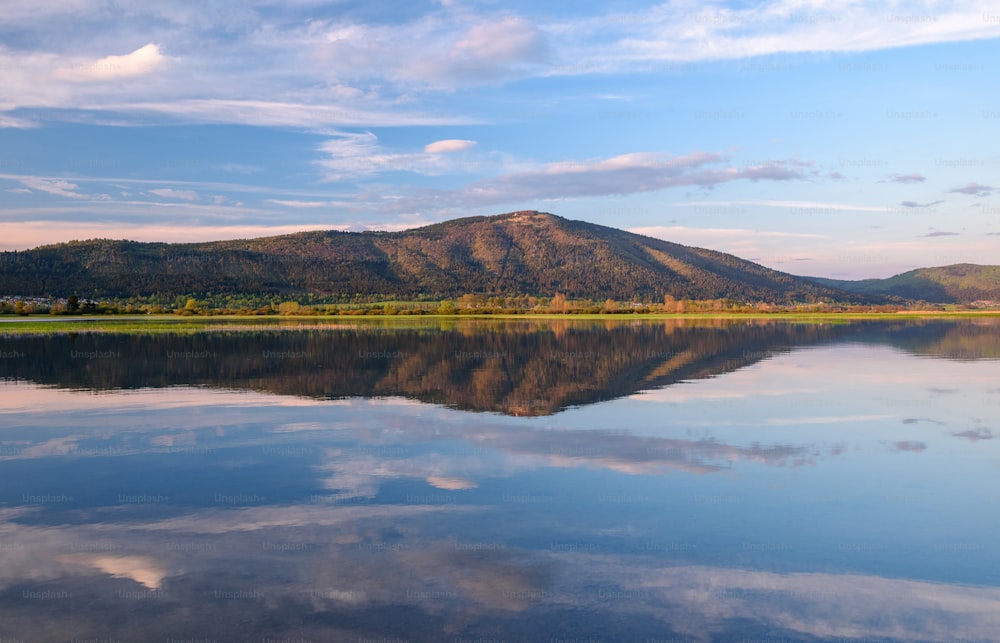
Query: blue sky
[851,139]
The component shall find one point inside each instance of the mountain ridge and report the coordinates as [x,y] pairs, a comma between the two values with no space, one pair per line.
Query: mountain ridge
[952,284]
[516,253]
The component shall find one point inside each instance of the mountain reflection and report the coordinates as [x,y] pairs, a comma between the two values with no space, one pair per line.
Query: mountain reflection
[514,367]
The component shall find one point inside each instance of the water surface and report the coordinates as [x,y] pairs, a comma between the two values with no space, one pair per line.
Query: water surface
[509,480]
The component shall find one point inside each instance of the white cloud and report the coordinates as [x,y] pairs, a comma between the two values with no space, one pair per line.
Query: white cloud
[291,203]
[510,40]
[140,62]
[678,31]
[353,154]
[440,51]
[58,187]
[242,64]
[270,113]
[358,154]
[15,123]
[119,182]
[803,206]
[672,232]
[448,145]
[170,193]
[496,49]
[341,205]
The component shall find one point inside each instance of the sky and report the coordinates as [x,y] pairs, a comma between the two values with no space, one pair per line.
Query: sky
[849,139]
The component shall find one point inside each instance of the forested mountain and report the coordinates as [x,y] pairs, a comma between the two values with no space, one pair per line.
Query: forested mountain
[957,283]
[518,253]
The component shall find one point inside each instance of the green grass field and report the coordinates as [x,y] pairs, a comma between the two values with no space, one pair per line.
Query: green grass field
[43,324]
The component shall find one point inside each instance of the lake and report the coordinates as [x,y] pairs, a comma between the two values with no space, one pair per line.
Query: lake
[503,480]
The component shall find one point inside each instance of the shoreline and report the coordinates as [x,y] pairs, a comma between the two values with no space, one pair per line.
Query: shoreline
[236,323]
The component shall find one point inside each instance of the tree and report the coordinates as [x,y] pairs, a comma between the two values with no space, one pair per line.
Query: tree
[73,304]
[447,308]
[190,308]
[289,307]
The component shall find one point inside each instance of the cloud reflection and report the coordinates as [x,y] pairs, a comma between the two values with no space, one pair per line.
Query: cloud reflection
[707,602]
[975,435]
[357,470]
[369,562]
[913,446]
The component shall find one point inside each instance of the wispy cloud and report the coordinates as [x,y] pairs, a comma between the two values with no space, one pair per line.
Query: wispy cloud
[266,67]
[619,175]
[681,32]
[292,203]
[908,178]
[14,122]
[973,189]
[672,232]
[57,187]
[264,64]
[171,193]
[438,50]
[975,435]
[270,113]
[448,146]
[940,233]
[914,204]
[912,446]
[149,183]
[804,207]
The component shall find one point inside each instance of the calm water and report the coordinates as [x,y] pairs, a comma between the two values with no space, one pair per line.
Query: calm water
[515,481]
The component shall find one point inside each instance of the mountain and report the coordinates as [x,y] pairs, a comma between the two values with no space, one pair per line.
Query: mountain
[961,283]
[530,253]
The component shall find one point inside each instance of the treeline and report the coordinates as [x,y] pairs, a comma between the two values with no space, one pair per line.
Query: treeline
[469,304]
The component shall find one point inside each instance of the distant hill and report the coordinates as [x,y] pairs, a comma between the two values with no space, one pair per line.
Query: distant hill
[958,283]
[530,253]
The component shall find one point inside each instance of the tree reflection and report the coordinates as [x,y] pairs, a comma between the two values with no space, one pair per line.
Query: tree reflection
[526,368]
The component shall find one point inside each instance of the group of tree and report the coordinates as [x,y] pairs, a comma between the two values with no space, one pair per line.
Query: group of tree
[467,304]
